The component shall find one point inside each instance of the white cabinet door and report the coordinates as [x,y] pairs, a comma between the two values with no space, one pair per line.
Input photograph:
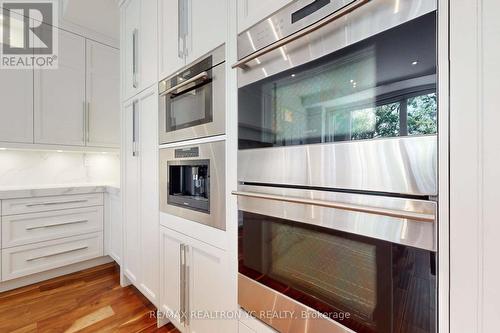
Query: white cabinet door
[130,200]
[208,27]
[16,94]
[130,21]
[207,271]
[16,112]
[103,95]
[170,275]
[170,58]
[149,196]
[60,95]
[251,12]
[139,44]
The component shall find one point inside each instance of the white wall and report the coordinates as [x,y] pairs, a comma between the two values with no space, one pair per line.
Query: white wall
[33,168]
[474,166]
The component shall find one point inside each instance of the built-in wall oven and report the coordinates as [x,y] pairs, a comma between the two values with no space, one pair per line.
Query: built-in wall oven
[337,166]
[192,102]
[192,183]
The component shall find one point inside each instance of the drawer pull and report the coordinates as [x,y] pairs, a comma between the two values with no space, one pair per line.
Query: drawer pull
[55,225]
[56,203]
[58,253]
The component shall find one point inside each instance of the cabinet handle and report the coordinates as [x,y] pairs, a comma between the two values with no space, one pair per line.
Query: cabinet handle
[180,27]
[87,134]
[186,292]
[55,225]
[135,56]
[55,203]
[182,279]
[84,122]
[57,253]
[134,129]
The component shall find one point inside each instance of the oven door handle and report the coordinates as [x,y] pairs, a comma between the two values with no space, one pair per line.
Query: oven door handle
[301,33]
[202,76]
[414,216]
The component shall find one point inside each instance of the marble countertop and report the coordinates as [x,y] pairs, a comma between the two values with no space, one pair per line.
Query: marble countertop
[14,192]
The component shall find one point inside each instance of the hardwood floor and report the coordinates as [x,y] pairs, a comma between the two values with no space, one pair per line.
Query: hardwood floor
[87,301]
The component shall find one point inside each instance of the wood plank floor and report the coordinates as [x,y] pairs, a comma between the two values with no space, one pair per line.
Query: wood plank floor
[87,301]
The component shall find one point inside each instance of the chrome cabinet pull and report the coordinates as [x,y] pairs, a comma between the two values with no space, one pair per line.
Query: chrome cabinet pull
[182,280]
[180,28]
[186,292]
[57,253]
[420,217]
[135,56]
[134,129]
[202,76]
[301,33]
[87,126]
[55,225]
[56,203]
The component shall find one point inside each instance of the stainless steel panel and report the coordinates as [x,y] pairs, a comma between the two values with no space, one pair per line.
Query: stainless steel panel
[261,300]
[404,165]
[218,125]
[215,152]
[420,234]
[368,20]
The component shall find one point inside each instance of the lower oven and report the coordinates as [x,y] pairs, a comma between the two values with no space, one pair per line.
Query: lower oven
[337,262]
[192,184]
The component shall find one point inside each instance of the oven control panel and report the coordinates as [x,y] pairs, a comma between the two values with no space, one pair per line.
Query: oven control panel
[187,152]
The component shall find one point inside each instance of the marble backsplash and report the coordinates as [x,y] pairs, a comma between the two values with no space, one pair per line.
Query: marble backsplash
[35,168]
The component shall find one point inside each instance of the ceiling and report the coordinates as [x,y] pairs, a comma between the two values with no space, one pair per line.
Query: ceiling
[101,16]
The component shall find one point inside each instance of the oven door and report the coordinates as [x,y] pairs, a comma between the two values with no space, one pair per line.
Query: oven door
[367,265]
[351,105]
[194,108]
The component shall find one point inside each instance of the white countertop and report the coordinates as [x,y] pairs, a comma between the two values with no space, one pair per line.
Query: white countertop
[13,192]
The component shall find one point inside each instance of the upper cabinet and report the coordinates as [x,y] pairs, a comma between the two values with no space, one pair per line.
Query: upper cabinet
[103,95]
[60,105]
[251,12]
[139,44]
[183,39]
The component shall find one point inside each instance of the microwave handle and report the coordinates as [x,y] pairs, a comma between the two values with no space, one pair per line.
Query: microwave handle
[415,216]
[202,76]
[301,33]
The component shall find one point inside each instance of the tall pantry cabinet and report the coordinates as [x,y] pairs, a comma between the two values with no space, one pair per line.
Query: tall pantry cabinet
[140,145]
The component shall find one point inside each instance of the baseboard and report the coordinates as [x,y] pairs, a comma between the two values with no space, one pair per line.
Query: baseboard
[38,277]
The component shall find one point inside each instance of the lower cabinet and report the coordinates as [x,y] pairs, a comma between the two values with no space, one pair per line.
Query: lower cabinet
[192,275]
[140,192]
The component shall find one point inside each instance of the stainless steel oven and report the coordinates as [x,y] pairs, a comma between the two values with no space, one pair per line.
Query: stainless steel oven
[192,183]
[337,166]
[192,102]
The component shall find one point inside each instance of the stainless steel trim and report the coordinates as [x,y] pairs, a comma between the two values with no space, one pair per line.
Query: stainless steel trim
[402,214]
[215,152]
[301,33]
[55,225]
[135,56]
[57,253]
[55,203]
[202,76]
[260,300]
[403,165]
[182,279]
[405,231]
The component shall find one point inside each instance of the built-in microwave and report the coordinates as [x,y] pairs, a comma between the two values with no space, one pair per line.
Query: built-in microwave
[192,183]
[192,102]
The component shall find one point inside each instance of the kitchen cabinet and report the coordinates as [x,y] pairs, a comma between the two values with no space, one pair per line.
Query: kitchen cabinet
[59,95]
[114,229]
[139,45]
[140,186]
[188,29]
[192,275]
[251,12]
[16,113]
[103,95]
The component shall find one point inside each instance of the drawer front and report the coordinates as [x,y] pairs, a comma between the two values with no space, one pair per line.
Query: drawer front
[44,204]
[37,227]
[29,259]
